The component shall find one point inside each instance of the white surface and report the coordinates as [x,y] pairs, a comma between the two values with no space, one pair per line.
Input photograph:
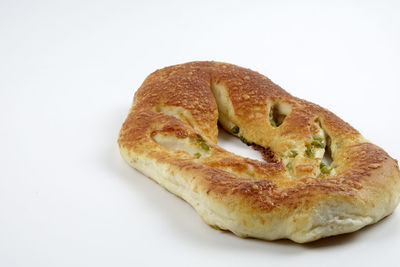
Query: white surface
[68,71]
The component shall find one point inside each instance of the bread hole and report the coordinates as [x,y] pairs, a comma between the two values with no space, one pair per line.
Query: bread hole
[320,148]
[236,146]
[278,112]
[224,105]
[195,146]
[326,161]
[327,158]
[316,147]
[177,112]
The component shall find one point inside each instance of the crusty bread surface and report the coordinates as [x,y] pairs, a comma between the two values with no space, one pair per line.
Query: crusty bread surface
[320,176]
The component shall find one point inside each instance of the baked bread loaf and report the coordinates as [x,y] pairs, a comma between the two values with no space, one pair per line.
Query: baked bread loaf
[320,176]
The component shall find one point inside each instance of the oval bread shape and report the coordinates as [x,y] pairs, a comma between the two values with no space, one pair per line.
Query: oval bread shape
[170,135]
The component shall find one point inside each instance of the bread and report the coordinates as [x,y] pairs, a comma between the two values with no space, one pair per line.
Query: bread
[170,135]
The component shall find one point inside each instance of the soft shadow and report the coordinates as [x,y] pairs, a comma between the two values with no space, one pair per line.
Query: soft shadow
[342,239]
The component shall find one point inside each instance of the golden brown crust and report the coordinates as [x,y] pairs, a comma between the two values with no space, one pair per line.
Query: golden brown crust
[177,101]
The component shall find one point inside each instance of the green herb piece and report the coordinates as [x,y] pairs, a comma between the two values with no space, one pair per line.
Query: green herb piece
[289,166]
[309,152]
[293,154]
[318,142]
[318,138]
[197,155]
[325,169]
[216,227]
[244,140]
[199,138]
[204,146]
[235,130]
[271,119]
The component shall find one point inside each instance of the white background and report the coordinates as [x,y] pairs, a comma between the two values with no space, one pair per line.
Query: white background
[68,72]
